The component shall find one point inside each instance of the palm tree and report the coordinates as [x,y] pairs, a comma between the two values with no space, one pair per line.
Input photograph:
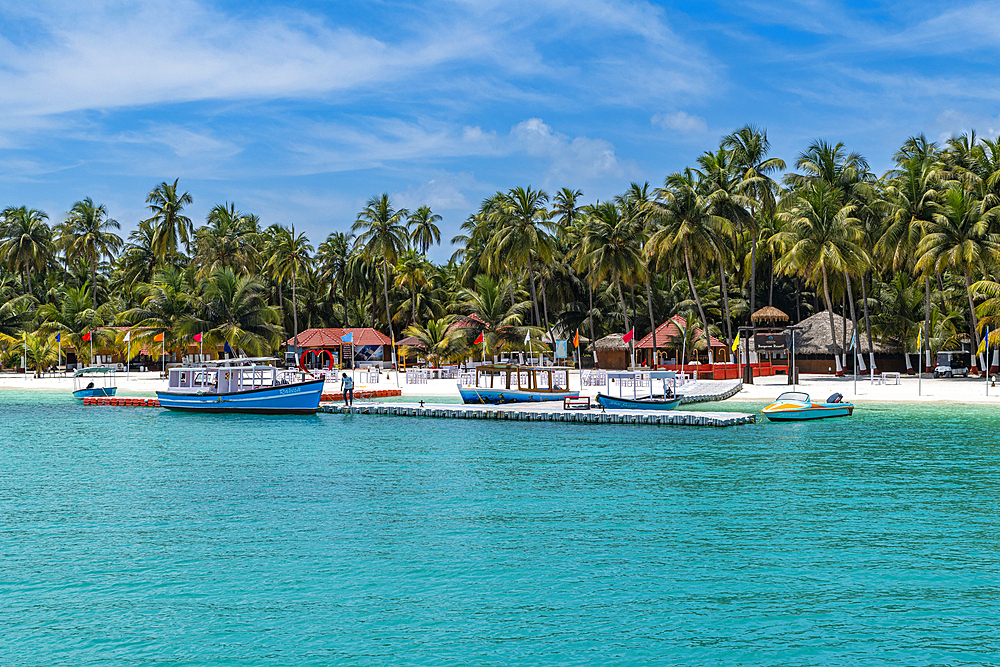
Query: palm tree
[383,238]
[611,248]
[749,148]
[72,317]
[522,234]
[488,313]
[42,352]
[412,272]
[170,226]
[86,235]
[565,207]
[438,339]
[234,309]
[167,301]
[687,225]
[961,236]
[423,232]
[26,241]
[228,239]
[290,256]
[333,255]
[820,235]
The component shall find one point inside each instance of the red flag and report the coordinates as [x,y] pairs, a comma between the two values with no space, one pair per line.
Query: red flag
[86,336]
[158,338]
[197,338]
[480,339]
[627,338]
[576,339]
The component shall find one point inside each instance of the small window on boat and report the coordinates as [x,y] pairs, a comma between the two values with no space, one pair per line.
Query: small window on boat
[794,396]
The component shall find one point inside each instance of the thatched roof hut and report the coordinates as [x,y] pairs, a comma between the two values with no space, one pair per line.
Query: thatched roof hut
[612,352]
[769,315]
[814,336]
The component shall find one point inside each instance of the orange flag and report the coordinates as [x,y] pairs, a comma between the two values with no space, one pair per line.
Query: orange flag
[158,338]
[576,339]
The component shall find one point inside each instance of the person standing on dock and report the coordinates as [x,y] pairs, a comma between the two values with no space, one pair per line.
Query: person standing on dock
[347,389]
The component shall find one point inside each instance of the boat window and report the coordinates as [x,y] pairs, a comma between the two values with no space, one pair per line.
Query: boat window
[794,396]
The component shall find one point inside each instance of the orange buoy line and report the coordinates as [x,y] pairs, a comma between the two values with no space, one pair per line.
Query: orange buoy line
[363,394]
[122,401]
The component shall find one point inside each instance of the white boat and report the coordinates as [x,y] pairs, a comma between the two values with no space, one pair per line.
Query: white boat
[241,385]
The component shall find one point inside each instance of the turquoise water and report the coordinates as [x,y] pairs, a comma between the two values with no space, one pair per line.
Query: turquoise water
[136,536]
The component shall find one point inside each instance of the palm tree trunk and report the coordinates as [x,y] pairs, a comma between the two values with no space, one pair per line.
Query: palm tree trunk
[652,322]
[972,319]
[854,323]
[385,291]
[694,293]
[621,297]
[927,317]
[93,281]
[798,299]
[413,302]
[725,303]
[829,311]
[27,277]
[753,272]
[868,324]
[534,294]
[770,290]
[295,310]
[545,312]
[590,316]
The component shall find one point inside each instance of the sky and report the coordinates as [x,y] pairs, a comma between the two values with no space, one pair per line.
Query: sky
[301,111]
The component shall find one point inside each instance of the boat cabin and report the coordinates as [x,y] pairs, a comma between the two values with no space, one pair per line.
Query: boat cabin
[540,379]
[228,376]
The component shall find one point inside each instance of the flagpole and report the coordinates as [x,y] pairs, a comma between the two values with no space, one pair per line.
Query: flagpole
[91,348]
[163,354]
[920,363]
[987,361]
[24,337]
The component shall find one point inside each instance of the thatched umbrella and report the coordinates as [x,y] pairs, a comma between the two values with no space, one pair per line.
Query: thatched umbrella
[769,315]
[612,352]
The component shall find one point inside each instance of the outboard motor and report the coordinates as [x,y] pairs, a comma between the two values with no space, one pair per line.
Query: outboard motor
[835,398]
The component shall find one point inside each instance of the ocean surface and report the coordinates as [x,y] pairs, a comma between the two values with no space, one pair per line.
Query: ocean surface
[133,536]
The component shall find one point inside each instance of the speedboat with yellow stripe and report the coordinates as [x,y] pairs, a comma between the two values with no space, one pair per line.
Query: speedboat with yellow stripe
[794,406]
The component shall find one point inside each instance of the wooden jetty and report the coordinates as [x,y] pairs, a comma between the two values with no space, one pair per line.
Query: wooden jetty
[551,411]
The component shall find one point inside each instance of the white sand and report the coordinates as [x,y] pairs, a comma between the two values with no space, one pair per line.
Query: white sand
[957,390]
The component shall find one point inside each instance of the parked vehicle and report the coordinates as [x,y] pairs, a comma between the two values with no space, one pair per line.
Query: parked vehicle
[953,363]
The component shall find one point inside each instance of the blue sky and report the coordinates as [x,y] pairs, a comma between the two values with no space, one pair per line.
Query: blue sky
[300,111]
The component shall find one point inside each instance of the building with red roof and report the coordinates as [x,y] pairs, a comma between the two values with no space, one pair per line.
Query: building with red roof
[370,346]
[669,340]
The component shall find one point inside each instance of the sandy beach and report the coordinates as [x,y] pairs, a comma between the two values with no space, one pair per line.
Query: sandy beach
[956,390]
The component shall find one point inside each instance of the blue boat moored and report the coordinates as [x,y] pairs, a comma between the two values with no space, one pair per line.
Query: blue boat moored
[241,385]
[96,381]
[797,406]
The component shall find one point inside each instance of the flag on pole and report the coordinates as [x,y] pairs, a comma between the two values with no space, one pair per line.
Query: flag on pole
[128,336]
[226,349]
[197,338]
[86,336]
[627,338]
[920,339]
[527,338]
[576,339]
[736,343]
[58,338]
[349,338]
[158,338]
[479,339]
[854,339]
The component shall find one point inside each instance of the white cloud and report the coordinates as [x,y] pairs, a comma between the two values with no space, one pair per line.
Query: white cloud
[445,192]
[570,159]
[681,122]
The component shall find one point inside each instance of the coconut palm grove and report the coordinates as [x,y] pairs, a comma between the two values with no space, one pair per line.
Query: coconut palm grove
[913,252]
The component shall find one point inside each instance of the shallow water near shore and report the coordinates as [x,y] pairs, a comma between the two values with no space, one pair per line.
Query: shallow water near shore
[137,536]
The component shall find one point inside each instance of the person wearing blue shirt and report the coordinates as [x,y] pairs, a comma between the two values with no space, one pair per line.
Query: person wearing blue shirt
[347,389]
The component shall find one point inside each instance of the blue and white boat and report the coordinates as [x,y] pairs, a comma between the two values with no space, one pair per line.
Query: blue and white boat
[507,383]
[668,400]
[241,385]
[95,381]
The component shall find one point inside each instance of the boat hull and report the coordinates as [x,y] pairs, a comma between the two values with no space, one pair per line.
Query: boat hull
[81,394]
[301,398]
[808,413]
[612,403]
[476,396]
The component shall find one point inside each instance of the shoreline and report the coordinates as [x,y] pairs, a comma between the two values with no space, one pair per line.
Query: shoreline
[932,391]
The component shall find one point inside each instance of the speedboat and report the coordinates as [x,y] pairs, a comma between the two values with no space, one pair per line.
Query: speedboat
[797,406]
[241,385]
[508,383]
[95,381]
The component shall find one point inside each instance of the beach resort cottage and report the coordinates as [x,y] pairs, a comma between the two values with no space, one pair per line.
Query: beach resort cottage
[371,348]
[814,347]
[670,345]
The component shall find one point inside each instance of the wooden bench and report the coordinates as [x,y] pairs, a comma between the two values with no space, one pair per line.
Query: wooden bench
[581,403]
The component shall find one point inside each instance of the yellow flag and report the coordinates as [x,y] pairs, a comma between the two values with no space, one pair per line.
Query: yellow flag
[736,343]
[920,338]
